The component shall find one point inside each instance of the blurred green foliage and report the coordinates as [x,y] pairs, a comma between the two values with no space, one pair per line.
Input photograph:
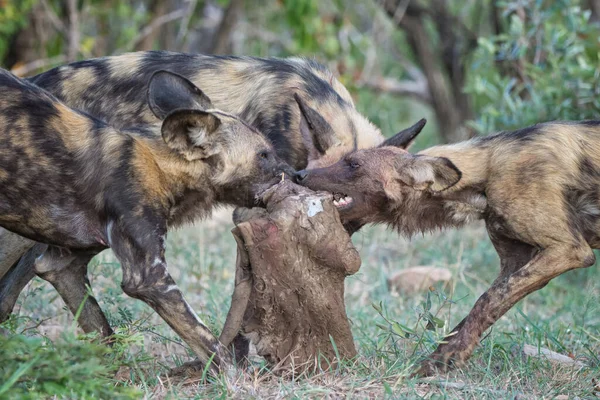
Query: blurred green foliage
[13,16]
[68,368]
[543,67]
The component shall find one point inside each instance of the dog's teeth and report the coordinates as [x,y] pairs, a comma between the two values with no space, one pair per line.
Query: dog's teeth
[343,201]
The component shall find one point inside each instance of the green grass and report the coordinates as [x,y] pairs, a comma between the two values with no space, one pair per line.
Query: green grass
[563,317]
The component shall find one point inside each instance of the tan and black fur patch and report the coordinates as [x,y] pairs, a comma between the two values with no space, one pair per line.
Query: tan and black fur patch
[259,90]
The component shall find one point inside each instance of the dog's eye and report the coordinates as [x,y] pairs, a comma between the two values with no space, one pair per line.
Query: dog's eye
[264,155]
[354,164]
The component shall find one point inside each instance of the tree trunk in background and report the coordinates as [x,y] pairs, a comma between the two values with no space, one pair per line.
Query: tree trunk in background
[74,34]
[447,113]
[157,9]
[455,45]
[442,62]
[594,6]
[28,44]
[222,39]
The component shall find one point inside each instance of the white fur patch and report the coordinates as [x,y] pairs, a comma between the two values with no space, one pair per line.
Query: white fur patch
[109,227]
[170,288]
[157,262]
[191,311]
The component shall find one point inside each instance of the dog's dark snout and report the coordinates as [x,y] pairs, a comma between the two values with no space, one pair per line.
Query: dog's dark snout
[301,175]
[287,171]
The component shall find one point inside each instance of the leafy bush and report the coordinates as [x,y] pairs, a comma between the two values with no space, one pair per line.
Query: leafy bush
[13,16]
[544,67]
[35,368]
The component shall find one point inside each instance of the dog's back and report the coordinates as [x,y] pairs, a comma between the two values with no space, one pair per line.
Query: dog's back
[32,130]
[259,90]
[39,174]
[550,175]
[544,175]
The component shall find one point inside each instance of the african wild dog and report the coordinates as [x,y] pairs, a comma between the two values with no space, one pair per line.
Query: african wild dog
[537,189]
[81,186]
[298,104]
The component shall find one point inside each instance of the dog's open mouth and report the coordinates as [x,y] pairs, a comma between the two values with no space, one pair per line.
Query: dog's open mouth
[342,201]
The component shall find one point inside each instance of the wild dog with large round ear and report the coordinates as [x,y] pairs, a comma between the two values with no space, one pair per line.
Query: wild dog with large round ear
[84,186]
[262,91]
[533,187]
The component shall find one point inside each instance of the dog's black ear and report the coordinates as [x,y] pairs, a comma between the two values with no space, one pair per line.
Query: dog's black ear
[168,92]
[314,127]
[428,173]
[405,138]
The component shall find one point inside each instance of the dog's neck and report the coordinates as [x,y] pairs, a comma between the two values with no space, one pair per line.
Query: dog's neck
[471,157]
[183,188]
[456,206]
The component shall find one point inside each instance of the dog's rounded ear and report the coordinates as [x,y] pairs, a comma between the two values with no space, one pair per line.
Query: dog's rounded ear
[314,128]
[405,138]
[168,92]
[191,133]
[426,173]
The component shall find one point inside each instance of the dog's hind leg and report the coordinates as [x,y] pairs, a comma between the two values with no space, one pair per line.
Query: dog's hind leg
[15,280]
[67,272]
[513,254]
[504,293]
[12,247]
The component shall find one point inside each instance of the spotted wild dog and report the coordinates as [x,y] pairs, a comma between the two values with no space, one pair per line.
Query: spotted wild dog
[537,189]
[80,186]
[299,105]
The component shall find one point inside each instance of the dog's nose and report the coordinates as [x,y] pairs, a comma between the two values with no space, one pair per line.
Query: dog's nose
[301,175]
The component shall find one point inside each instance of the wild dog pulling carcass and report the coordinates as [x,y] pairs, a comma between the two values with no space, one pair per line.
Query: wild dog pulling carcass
[81,186]
[537,189]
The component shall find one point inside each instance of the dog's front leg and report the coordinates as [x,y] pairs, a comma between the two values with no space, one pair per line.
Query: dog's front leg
[145,277]
[504,293]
